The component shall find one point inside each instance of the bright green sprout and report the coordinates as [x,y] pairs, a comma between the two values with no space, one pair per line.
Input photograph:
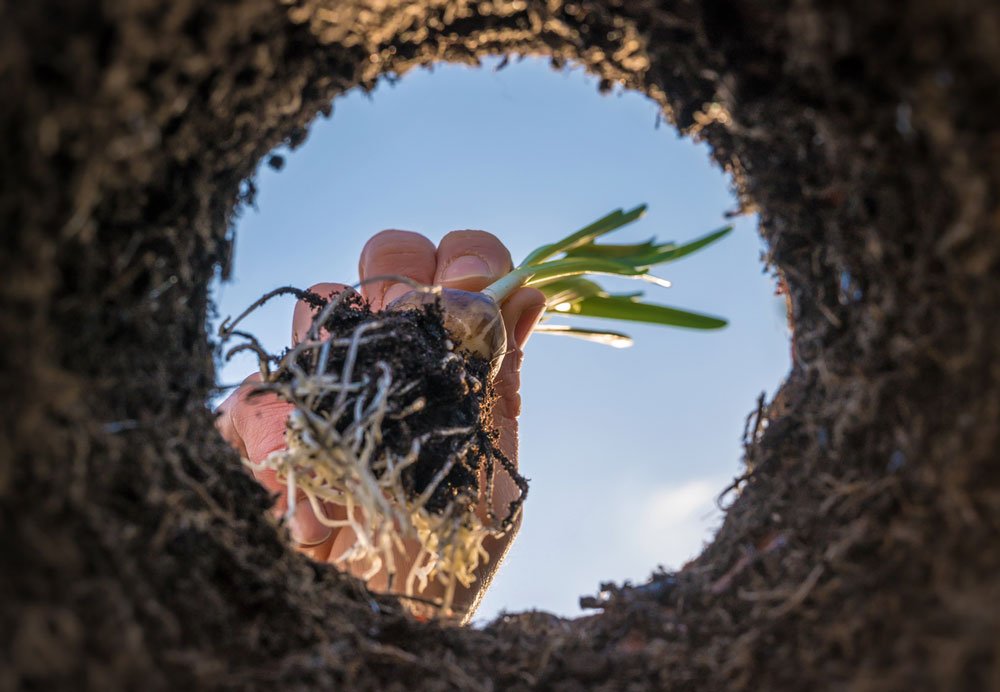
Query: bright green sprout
[558,270]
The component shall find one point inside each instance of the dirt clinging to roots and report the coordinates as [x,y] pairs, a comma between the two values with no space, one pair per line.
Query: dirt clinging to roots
[391,436]
[859,549]
[438,389]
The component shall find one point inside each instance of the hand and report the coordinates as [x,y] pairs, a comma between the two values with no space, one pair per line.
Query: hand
[469,260]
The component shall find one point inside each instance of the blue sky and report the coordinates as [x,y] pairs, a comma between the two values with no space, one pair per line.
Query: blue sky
[626,449]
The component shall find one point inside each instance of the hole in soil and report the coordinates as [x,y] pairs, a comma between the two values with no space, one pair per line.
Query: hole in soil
[626,450]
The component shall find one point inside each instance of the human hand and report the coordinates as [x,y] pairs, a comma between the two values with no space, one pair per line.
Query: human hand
[469,260]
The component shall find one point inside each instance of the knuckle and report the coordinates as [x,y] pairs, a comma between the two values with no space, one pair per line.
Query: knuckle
[508,379]
[511,404]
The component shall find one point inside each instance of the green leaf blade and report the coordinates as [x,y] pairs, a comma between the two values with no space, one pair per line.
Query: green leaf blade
[569,290]
[634,311]
[623,251]
[673,254]
[587,234]
[550,271]
[605,337]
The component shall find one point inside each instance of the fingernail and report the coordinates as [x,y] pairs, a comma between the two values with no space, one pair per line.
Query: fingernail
[526,324]
[305,528]
[465,268]
[395,291]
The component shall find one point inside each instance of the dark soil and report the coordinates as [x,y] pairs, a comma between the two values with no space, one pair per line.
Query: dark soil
[454,391]
[861,549]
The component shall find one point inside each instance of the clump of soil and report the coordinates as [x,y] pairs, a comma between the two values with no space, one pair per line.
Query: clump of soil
[392,424]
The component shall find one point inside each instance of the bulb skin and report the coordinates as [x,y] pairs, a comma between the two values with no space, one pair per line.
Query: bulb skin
[472,319]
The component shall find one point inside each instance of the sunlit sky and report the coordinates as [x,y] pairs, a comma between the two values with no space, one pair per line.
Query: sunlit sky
[626,450]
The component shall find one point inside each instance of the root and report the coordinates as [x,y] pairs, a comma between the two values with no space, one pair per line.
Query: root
[336,457]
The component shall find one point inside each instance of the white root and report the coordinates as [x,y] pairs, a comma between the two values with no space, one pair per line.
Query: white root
[333,462]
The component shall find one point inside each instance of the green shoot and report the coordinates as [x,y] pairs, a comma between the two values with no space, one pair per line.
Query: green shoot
[585,235]
[557,269]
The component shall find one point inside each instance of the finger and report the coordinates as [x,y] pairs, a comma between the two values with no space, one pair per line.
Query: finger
[304,313]
[505,415]
[395,253]
[521,313]
[259,419]
[471,260]
[224,418]
[310,534]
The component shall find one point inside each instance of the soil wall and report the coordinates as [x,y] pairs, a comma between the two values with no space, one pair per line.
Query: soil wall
[862,548]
